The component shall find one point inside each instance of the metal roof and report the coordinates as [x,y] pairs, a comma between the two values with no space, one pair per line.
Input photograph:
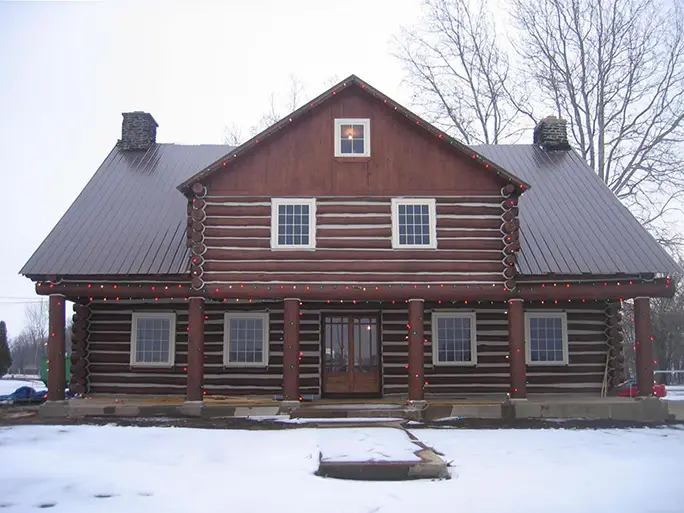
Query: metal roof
[129,218]
[571,222]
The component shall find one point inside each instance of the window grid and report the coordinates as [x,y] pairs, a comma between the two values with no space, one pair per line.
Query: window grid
[453,339]
[352,137]
[414,225]
[546,339]
[246,340]
[153,339]
[293,225]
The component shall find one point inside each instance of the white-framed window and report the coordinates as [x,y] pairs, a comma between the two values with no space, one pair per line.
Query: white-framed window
[454,338]
[546,338]
[414,223]
[293,223]
[352,137]
[153,339]
[245,339]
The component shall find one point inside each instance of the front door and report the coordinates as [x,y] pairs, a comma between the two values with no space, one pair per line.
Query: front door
[351,361]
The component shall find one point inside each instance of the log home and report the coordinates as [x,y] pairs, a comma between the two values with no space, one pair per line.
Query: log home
[350,250]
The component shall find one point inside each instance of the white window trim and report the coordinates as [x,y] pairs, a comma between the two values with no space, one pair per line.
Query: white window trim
[226,338]
[275,206]
[563,316]
[366,136]
[432,211]
[171,316]
[473,337]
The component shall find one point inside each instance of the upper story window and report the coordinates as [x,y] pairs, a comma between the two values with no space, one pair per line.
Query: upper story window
[352,137]
[293,223]
[414,223]
[153,339]
[454,341]
[546,334]
[245,339]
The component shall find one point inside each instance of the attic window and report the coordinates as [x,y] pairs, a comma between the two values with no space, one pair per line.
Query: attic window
[352,137]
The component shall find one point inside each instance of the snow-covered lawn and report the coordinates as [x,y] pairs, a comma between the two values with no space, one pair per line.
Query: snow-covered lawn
[96,469]
[7,386]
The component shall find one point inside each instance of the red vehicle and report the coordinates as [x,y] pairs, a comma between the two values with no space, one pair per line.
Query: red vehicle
[629,389]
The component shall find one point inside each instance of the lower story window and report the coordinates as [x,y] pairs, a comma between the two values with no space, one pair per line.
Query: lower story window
[546,334]
[454,340]
[153,339]
[246,339]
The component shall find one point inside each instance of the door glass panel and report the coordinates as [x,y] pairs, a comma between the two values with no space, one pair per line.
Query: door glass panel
[337,344]
[365,344]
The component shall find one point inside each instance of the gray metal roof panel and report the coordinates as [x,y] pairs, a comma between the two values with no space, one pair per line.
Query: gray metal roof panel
[129,218]
[571,222]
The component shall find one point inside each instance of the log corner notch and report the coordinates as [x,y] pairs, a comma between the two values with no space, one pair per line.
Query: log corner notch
[196,216]
[615,359]
[510,232]
[80,332]
[643,342]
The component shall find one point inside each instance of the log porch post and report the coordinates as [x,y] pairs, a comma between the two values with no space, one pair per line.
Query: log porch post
[416,370]
[291,350]
[644,346]
[516,348]
[56,350]
[195,349]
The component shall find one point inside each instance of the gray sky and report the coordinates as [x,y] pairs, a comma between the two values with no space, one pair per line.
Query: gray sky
[68,71]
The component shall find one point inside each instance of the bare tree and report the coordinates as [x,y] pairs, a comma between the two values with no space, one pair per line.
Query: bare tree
[461,78]
[294,97]
[36,317]
[616,69]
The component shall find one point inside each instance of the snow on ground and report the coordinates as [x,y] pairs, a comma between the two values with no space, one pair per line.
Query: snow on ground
[7,386]
[675,393]
[112,469]
[366,444]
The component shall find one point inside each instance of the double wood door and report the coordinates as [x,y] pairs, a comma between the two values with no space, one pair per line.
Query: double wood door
[351,359]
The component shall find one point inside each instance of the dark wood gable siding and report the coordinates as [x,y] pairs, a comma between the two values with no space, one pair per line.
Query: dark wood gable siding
[354,237]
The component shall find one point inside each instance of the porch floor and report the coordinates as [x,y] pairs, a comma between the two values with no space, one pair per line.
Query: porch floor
[441,409]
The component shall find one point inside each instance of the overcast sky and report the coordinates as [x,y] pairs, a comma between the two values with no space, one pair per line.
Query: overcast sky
[68,71]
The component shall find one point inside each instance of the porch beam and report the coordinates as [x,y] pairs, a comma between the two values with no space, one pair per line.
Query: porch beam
[516,348]
[416,370]
[56,349]
[432,292]
[644,346]
[195,349]
[291,350]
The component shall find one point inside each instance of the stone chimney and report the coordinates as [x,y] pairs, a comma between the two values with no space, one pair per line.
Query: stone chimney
[138,131]
[551,133]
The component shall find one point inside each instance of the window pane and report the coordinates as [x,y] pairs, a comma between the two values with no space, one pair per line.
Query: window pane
[293,224]
[357,146]
[345,146]
[453,339]
[414,221]
[153,340]
[245,340]
[546,339]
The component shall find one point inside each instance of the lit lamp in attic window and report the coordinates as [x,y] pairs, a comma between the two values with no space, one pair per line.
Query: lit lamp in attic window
[352,137]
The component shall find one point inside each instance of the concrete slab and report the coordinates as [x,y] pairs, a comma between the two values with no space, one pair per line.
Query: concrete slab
[251,411]
[676,409]
[479,411]
[53,409]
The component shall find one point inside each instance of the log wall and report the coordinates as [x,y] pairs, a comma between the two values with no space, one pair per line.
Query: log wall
[109,334]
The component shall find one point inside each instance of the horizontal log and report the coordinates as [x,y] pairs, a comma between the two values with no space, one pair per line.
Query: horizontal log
[352,255]
[351,243]
[371,291]
[425,277]
[314,266]
[252,221]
